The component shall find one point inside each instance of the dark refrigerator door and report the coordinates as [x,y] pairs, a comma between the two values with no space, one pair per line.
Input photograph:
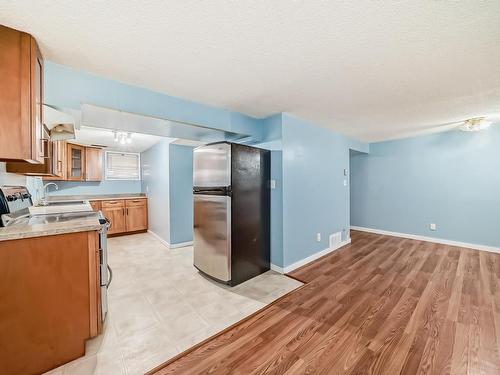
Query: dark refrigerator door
[251,205]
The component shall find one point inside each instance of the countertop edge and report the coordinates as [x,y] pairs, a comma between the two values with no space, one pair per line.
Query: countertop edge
[49,232]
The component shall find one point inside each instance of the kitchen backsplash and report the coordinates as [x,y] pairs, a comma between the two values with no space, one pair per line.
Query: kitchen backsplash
[95,188]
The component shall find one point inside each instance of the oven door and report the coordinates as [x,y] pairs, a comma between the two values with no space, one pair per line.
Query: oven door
[106,273]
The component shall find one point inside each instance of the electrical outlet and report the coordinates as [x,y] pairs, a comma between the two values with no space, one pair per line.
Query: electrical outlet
[345,182]
[433,226]
[318,237]
[273,184]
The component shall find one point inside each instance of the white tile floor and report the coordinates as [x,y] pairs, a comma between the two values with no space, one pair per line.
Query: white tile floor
[161,305]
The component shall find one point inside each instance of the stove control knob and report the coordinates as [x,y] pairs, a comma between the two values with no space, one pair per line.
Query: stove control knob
[26,195]
[11,198]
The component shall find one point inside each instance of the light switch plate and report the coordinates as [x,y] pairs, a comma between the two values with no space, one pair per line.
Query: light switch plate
[432,226]
[273,184]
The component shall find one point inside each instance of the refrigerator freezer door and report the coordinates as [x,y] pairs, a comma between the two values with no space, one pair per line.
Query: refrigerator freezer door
[212,165]
[212,235]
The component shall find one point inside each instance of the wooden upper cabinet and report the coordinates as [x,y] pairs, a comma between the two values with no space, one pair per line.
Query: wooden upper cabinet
[75,155]
[22,135]
[59,157]
[93,164]
[46,170]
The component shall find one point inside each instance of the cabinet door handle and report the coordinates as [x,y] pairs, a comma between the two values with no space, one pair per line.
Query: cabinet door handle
[127,211]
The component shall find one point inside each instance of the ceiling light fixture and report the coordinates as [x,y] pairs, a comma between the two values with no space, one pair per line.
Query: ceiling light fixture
[122,137]
[475,124]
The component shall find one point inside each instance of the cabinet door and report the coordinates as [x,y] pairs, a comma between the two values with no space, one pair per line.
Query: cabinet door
[76,162]
[117,218]
[93,164]
[58,158]
[137,217]
[40,137]
[45,170]
[21,98]
[96,205]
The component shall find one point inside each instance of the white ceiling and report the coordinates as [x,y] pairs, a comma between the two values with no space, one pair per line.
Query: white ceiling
[370,69]
[103,137]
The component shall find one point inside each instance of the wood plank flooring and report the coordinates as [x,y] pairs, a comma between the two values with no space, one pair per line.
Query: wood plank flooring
[382,305]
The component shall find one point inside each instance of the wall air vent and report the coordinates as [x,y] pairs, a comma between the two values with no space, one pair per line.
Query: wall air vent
[335,240]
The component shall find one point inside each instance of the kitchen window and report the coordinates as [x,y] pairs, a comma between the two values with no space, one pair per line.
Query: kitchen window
[123,166]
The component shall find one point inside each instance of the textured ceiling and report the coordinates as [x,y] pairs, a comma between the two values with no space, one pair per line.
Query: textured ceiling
[370,69]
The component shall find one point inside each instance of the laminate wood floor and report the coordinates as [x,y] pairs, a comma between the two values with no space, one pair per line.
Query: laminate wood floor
[382,305]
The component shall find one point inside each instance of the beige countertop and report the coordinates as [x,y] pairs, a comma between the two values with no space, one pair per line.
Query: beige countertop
[77,224]
[98,197]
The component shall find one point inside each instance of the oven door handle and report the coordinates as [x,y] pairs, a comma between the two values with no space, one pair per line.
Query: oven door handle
[110,276]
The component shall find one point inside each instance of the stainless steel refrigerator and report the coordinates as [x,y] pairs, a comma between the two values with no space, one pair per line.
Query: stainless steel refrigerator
[231,211]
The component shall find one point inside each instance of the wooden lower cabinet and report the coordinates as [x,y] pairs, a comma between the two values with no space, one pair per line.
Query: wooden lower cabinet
[50,298]
[136,217]
[114,211]
[96,205]
[125,215]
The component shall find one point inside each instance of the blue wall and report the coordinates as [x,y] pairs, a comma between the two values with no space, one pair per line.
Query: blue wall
[155,183]
[94,188]
[69,88]
[314,196]
[181,194]
[450,179]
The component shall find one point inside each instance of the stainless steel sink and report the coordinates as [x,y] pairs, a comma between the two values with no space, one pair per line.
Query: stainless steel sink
[51,218]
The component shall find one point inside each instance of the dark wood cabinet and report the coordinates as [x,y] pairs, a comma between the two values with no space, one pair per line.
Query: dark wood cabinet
[22,133]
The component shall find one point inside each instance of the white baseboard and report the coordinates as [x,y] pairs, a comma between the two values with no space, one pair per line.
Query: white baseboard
[491,249]
[159,238]
[170,246]
[181,244]
[309,259]
[276,268]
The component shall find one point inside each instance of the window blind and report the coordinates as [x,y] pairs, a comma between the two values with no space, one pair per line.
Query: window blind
[123,166]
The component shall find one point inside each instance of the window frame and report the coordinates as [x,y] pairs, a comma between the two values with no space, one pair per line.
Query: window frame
[139,169]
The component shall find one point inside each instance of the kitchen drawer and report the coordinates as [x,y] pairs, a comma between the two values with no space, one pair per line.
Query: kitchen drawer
[136,202]
[113,203]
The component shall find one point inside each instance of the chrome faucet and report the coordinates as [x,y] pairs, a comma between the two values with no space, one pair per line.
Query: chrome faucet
[43,200]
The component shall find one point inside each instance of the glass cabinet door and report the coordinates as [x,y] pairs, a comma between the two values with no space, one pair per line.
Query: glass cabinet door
[76,165]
